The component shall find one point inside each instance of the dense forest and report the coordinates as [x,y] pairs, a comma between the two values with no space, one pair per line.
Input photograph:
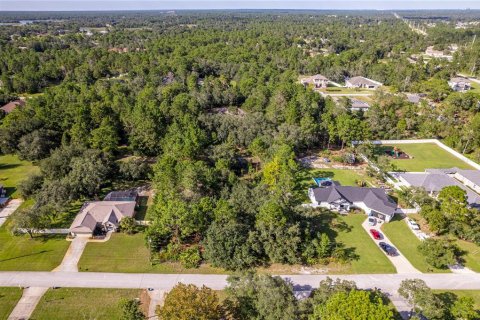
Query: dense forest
[213,100]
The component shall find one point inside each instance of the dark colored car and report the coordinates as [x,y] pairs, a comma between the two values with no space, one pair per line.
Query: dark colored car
[376,235]
[388,249]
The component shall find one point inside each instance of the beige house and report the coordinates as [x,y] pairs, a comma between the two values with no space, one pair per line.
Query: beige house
[318,81]
[102,216]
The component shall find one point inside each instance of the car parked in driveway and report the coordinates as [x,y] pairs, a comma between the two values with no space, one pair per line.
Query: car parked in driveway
[376,234]
[372,221]
[391,251]
[412,224]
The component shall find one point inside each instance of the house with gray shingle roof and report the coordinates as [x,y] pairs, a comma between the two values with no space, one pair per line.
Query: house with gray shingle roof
[460,84]
[101,215]
[363,83]
[373,201]
[434,180]
[318,81]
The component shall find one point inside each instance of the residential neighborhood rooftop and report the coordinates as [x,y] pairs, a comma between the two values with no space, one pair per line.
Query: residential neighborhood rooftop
[12,105]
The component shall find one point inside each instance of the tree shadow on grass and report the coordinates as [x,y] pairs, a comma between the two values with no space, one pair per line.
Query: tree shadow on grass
[7,166]
[25,255]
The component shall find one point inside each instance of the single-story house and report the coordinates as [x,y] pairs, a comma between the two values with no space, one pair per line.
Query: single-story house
[460,84]
[470,178]
[318,81]
[359,105]
[12,105]
[374,201]
[362,82]
[128,195]
[101,215]
[431,52]
[434,180]
[415,98]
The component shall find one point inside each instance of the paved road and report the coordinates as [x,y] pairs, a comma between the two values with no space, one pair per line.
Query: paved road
[388,282]
[401,263]
[9,209]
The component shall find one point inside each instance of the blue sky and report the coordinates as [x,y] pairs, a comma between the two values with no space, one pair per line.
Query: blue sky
[60,5]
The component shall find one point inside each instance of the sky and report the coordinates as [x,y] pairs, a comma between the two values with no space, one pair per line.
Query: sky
[90,5]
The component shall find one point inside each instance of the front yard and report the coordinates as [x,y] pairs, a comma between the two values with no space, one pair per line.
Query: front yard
[128,253]
[80,303]
[426,156]
[404,239]
[13,171]
[8,299]
[472,254]
[20,253]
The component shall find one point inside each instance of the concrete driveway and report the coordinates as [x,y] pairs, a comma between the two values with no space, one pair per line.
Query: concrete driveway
[401,263]
[9,209]
[27,303]
[73,255]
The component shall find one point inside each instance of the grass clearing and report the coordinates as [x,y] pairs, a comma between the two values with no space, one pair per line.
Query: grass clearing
[20,253]
[474,294]
[13,171]
[345,177]
[426,156]
[370,257]
[128,253]
[81,303]
[404,239]
[9,297]
[472,254]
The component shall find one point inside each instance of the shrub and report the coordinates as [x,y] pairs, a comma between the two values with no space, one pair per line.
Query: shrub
[190,257]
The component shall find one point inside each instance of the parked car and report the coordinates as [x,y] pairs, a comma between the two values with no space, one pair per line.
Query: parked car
[391,251]
[412,224]
[376,234]
[372,221]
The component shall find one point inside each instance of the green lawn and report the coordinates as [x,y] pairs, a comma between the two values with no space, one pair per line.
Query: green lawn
[43,253]
[404,239]
[472,254]
[80,303]
[427,156]
[370,257]
[8,299]
[13,171]
[345,177]
[475,294]
[128,253]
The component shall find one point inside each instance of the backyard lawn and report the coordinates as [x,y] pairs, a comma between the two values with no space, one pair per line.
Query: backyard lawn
[8,299]
[404,239]
[128,253]
[43,253]
[345,177]
[427,156]
[81,303]
[13,171]
[370,258]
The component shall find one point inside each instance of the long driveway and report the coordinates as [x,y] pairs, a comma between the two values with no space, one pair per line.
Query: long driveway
[387,282]
[400,262]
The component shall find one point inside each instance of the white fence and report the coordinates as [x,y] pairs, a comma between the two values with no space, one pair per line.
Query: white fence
[419,141]
[45,231]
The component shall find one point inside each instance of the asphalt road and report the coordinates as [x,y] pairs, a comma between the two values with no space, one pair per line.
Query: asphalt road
[387,282]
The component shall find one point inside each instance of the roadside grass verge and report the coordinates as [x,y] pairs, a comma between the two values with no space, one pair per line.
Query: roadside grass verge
[81,303]
[9,297]
[407,243]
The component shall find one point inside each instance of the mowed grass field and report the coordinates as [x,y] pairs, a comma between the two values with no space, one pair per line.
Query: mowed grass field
[345,177]
[8,299]
[403,238]
[128,253]
[370,257]
[13,171]
[21,253]
[81,303]
[427,156]
[472,254]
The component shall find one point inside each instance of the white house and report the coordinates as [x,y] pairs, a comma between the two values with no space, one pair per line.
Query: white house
[318,81]
[362,82]
[460,84]
[373,201]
